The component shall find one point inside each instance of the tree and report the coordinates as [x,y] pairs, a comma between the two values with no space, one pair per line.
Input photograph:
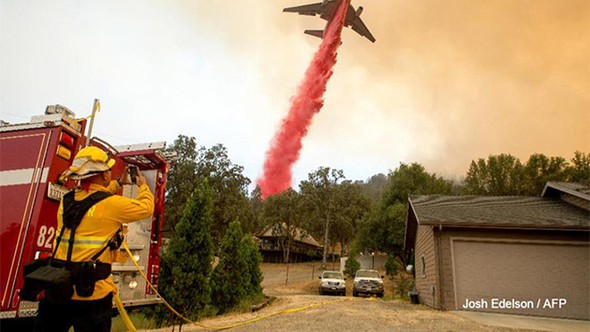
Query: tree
[538,170]
[391,269]
[283,213]
[253,272]
[352,264]
[579,171]
[413,179]
[375,187]
[505,175]
[228,185]
[500,175]
[186,262]
[384,229]
[318,191]
[256,204]
[181,178]
[391,266]
[350,207]
[229,281]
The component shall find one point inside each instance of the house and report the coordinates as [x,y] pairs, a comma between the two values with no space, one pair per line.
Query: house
[516,255]
[303,246]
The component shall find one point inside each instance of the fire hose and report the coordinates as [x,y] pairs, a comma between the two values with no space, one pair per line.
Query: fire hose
[126,320]
[129,324]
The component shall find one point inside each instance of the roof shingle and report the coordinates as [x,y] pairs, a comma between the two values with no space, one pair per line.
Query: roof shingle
[499,212]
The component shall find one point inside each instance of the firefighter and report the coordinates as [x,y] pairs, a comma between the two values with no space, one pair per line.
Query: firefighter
[97,228]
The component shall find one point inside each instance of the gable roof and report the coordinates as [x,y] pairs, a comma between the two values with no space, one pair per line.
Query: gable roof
[573,193]
[562,206]
[579,190]
[499,212]
[299,236]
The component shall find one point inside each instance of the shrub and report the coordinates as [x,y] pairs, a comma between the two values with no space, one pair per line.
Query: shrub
[253,273]
[186,261]
[229,281]
[352,264]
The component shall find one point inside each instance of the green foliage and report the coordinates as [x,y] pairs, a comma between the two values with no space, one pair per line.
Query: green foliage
[538,171]
[186,261]
[579,171]
[504,174]
[253,272]
[384,231]
[499,175]
[350,207]
[352,264]
[413,179]
[229,186]
[391,266]
[321,203]
[332,208]
[405,282]
[384,228]
[328,210]
[229,280]
[230,189]
[138,319]
[284,214]
[399,278]
[374,188]
[181,178]
[256,203]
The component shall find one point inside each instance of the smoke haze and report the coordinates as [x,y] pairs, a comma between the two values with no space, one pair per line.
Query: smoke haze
[286,145]
[446,82]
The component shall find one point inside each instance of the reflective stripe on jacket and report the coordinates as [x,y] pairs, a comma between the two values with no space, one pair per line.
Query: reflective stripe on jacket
[88,242]
[99,225]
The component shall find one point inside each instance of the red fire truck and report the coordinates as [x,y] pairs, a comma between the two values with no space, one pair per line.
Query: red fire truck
[32,156]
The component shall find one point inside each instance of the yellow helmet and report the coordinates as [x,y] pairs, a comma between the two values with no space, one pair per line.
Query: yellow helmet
[88,162]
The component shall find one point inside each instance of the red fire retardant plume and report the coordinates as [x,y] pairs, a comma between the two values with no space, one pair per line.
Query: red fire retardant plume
[285,147]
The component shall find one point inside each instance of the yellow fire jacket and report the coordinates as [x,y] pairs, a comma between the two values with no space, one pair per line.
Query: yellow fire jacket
[98,226]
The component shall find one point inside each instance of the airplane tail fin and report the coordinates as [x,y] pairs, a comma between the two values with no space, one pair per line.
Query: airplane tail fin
[316,33]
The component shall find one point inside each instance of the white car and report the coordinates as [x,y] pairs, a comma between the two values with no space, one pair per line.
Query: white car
[332,282]
[368,282]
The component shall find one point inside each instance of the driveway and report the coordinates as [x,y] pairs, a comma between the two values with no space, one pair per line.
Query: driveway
[298,307]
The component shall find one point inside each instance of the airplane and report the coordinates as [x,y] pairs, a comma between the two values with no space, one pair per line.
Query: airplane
[326,10]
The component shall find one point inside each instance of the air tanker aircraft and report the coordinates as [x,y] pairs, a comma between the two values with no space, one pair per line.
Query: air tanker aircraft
[326,10]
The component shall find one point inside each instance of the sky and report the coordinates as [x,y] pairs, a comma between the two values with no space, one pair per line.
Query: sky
[446,82]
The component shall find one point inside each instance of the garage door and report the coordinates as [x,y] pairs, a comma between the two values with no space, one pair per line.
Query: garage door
[541,279]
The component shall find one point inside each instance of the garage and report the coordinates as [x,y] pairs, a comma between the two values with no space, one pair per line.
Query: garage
[504,254]
[506,277]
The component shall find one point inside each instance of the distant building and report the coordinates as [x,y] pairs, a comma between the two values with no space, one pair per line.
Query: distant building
[517,255]
[272,241]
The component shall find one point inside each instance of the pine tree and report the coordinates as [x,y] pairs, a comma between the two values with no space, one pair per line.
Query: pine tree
[254,273]
[229,280]
[352,264]
[186,262]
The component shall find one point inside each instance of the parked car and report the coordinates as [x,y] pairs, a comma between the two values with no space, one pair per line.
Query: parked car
[368,282]
[332,282]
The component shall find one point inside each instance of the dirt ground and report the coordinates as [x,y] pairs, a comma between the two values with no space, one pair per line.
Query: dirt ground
[298,307]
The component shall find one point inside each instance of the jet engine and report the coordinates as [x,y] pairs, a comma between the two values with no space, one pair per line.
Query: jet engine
[359,11]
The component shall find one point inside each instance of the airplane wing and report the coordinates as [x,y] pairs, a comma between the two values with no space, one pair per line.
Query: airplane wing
[324,10]
[357,24]
[316,33]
